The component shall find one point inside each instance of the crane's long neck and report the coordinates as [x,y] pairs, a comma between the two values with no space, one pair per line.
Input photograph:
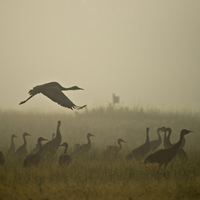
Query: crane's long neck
[25,142]
[70,88]
[58,134]
[65,151]
[39,146]
[165,139]
[120,145]
[176,146]
[159,137]
[168,138]
[89,141]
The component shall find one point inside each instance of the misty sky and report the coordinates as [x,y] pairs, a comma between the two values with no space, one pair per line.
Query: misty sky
[147,52]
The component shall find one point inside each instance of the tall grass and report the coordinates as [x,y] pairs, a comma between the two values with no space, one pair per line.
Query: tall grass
[96,175]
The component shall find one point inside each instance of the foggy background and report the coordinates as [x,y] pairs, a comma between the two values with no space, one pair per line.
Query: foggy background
[146,52]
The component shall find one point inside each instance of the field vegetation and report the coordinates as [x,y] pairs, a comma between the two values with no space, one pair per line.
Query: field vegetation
[97,175]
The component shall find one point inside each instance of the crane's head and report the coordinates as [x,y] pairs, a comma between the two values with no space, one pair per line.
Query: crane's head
[76,88]
[163,129]
[147,129]
[64,144]
[26,134]
[40,139]
[89,135]
[13,135]
[185,132]
[120,140]
[169,130]
[59,123]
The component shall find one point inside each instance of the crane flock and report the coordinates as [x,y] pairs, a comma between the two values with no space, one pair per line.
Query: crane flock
[148,152]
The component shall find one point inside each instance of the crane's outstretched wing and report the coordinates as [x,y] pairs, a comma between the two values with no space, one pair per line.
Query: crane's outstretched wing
[56,95]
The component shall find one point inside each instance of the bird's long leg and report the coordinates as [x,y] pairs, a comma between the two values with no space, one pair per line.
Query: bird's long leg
[80,107]
[26,99]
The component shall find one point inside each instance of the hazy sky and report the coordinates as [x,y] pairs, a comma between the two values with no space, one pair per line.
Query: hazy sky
[147,52]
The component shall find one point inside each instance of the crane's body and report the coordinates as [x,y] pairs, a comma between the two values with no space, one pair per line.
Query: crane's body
[115,149]
[64,158]
[12,146]
[52,146]
[22,151]
[164,156]
[53,91]
[84,148]
[141,151]
[34,158]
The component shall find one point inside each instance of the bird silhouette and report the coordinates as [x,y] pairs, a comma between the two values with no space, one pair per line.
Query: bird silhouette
[115,149]
[12,146]
[64,158]
[52,146]
[141,151]
[181,153]
[84,148]
[53,91]
[164,156]
[34,158]
[22,151]
[2,159]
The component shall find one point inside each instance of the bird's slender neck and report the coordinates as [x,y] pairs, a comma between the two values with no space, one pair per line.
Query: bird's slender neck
[25,142]
[58,135]
[70,88]
[120,145]
[39,146]
[65,151]
[88,138]
[168,138]
[159,137]
[165,139]
[178,144]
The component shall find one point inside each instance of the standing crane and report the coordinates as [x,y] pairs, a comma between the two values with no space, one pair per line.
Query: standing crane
[34,158]
[164,156]
[84,148]
[52,146]
[53,91]
[141,151]
[181,153]
[64,158]
[22,151]
[115,149]
[12,146]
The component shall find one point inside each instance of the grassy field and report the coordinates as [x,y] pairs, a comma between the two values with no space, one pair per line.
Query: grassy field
[96,176]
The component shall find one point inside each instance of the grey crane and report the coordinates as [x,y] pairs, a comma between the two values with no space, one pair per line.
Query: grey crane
[12,146]
[141,151]
[164,156]
[181,153]
[53,91]
[64,158]
[34,158]
[115,149]
[2,159]
[84,148]
[22,151]
[154,144]
[52,146]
